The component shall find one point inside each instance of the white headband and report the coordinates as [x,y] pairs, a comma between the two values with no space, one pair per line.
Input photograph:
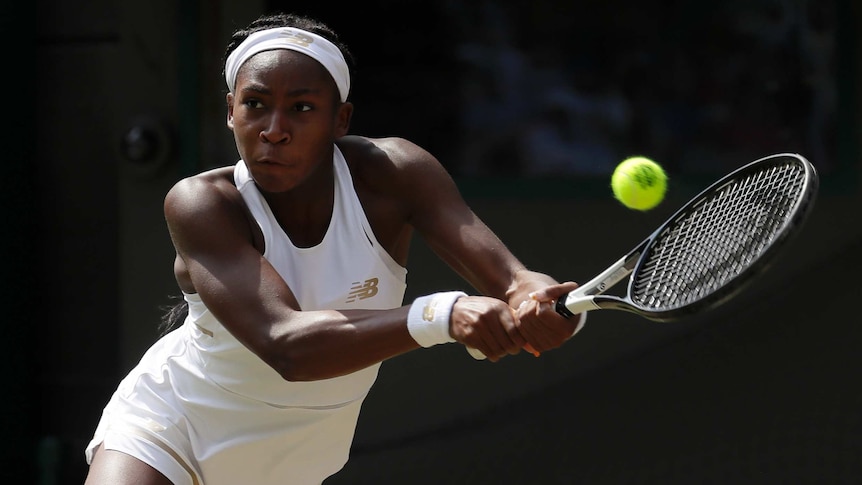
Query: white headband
[312,45]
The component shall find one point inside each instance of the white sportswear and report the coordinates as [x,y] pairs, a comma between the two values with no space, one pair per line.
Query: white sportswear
[203,409]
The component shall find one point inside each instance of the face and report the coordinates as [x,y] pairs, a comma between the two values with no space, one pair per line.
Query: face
[285,114]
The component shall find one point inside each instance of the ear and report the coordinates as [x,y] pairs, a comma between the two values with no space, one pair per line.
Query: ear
[342,119]
[230,111]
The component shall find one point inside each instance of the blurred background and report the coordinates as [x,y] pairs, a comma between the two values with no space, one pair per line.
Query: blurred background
[529,105]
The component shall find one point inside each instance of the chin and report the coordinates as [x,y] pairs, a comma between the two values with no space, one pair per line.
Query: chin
[275,181]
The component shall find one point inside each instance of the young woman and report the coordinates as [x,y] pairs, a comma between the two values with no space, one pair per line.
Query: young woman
[292,264]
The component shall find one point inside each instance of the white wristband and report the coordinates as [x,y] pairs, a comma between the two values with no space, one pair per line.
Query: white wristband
[428,319]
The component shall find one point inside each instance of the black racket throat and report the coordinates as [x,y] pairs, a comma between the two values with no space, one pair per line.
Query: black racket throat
[712,247]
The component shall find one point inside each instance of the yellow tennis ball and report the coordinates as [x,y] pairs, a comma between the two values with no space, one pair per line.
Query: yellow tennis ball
[639,183]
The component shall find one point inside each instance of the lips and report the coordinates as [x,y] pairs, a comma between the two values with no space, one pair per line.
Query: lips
[273,161]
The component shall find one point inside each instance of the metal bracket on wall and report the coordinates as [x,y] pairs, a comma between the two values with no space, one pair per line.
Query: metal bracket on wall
[146,145]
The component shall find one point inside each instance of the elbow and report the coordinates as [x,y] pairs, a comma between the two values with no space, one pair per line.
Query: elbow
[290,368]
[283,353]
[301,356]
[295,366]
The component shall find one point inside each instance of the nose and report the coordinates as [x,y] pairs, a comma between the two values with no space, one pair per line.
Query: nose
[277,130]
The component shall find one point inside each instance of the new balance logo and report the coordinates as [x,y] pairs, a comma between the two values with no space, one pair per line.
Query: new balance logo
[363,289]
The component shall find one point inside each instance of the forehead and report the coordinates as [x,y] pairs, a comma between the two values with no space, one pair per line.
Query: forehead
[282,65]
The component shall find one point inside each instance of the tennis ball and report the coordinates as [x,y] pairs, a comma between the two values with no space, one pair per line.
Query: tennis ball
[639,183]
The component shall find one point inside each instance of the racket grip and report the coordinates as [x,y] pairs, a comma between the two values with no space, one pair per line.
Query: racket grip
[573,305]
[478,355]
[560,307]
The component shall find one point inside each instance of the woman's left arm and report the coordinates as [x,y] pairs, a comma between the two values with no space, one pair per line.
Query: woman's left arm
[457,235]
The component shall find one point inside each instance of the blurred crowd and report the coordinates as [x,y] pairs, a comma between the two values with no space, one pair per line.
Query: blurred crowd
[555,89]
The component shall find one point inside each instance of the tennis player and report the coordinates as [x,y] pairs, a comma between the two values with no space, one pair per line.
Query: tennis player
[292,266]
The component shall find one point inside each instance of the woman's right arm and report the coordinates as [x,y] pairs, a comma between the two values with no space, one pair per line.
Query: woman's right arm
[213,238]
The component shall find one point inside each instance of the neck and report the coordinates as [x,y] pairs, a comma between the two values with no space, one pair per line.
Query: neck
[305,211]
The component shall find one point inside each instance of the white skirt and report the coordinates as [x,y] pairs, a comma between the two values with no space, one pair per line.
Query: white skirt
[171,413]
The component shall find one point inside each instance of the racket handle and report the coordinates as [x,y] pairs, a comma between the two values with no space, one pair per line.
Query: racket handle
[574,304]
[560,307]
[478,355]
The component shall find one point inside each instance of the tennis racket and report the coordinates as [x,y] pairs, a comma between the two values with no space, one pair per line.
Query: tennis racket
[707,251]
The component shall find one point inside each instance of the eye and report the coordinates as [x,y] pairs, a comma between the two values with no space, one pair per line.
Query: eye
[302,107]
[253,103]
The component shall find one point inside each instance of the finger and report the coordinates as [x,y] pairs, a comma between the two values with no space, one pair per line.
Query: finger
[562,328]
[500,335]
[529,348]
[533,329]
[543,327]
[509,335]
[554,292]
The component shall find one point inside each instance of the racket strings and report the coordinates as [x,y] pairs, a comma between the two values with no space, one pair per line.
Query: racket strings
[719,238]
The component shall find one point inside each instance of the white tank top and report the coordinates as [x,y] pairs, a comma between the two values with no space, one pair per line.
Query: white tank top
[349,269]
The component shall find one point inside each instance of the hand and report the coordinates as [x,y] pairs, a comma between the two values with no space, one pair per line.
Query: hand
[486,324]
[538,321]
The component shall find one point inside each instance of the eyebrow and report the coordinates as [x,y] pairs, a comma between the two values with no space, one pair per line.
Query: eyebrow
[253,87]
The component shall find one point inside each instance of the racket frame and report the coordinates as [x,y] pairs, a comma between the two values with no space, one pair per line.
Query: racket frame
[590,296]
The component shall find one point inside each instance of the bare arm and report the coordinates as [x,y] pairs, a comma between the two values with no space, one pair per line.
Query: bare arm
[440,214]
[213,238]
[214,241]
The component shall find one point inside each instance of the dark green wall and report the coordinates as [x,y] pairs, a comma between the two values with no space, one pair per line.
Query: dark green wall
[734,394]
[760,391]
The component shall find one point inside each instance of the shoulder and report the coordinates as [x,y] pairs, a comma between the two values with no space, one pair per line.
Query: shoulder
[208,204]
[402,176]
[198,191]
[393,152]
[387,163]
